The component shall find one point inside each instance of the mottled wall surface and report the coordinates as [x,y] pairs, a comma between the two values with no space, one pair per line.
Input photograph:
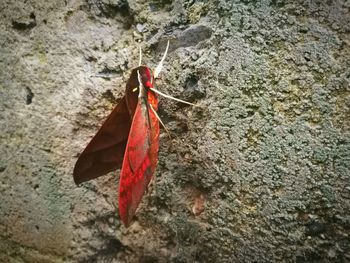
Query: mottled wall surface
[259,173]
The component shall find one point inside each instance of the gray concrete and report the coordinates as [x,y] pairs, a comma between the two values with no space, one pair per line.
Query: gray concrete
[258,173]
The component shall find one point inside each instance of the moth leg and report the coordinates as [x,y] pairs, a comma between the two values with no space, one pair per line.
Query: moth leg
[153,182]
[160,120]
[159,67]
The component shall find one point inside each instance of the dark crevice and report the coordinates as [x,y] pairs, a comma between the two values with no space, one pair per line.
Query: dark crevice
[192,90]
[107,73]
[119,9]
[186,38]
[111,245]
[27,25]
[23,25]
[108,95]
[158,5]
[29,97]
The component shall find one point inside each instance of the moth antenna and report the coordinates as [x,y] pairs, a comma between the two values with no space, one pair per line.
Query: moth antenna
[140,84]
[140,55]
[172,98]
[158,69]
[160,120]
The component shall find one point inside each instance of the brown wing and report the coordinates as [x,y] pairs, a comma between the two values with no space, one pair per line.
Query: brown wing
[105,151]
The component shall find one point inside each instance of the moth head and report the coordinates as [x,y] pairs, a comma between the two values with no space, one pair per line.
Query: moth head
[146,77]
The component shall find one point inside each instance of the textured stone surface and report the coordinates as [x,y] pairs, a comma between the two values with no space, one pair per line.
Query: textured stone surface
[260,173]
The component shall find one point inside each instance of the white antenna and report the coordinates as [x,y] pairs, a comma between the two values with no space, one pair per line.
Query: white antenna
[140,84]
[140,55]
[172,98]
[158,69]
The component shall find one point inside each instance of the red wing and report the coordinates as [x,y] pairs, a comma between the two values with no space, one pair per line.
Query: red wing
[105,151]
[140,160]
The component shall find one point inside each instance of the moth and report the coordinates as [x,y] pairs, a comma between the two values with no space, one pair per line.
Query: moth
[128,139]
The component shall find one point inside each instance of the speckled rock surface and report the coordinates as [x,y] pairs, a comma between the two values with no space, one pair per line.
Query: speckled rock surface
[259,173]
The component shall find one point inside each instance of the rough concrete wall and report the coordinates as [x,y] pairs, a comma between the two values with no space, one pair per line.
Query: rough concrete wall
[259,173]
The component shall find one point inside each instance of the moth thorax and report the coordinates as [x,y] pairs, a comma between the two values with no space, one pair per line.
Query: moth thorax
[146,77]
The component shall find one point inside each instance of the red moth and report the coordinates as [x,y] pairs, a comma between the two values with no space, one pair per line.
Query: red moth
[128,139]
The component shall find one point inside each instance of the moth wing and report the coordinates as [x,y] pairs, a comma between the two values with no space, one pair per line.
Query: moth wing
[140,160]
[105,151]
